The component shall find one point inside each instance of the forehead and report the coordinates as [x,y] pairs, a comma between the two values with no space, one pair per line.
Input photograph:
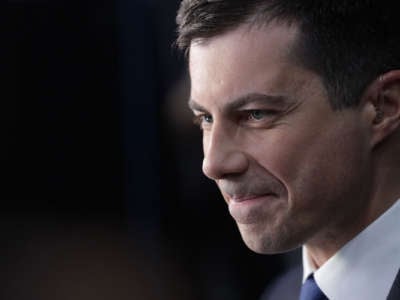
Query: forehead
[245,60]
[272,37]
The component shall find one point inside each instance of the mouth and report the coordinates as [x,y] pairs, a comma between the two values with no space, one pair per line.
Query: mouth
[239,199]
[251,209]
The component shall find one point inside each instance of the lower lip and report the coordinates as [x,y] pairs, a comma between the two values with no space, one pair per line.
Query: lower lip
[249,210]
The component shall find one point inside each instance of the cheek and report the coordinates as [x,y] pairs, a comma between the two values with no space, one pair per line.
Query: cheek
[315,162]
[283,154]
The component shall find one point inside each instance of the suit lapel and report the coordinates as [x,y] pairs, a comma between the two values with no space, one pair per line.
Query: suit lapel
[395,290]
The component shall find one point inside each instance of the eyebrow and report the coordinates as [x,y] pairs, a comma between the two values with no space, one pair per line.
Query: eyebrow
[244,100]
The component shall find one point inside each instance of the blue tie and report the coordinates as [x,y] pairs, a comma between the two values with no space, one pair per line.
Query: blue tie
[311,291]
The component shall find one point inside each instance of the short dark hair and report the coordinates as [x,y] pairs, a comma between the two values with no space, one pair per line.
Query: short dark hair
[349,43]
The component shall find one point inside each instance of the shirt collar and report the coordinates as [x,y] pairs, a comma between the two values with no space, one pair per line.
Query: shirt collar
[308,265]
[366,266]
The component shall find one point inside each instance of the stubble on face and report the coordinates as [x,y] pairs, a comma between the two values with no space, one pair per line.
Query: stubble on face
[303,168]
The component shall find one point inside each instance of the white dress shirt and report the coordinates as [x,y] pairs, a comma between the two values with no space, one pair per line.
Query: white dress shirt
[364,268]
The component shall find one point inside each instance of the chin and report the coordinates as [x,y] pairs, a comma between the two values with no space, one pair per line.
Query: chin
[263,242]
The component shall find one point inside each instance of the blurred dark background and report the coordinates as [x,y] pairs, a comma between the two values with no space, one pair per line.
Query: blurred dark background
[96,134]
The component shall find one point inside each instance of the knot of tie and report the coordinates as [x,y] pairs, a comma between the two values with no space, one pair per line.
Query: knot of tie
[311,291]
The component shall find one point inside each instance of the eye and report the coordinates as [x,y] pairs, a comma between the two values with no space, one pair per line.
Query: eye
[207,118]
[260,114]
[256,114]
[203,120]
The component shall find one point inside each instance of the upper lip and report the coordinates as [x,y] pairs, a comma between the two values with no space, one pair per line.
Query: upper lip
[243,190]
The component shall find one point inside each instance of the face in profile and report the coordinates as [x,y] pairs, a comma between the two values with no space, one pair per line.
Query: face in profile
[290,168]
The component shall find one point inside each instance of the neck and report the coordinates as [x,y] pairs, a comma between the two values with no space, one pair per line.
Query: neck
[323,247]
[385,191]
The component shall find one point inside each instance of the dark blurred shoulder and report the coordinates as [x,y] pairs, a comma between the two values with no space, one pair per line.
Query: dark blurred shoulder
[286,286]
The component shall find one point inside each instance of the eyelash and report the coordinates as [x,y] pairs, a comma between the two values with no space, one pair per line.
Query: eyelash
[201,119]
[266,119]
[245,115]
[251,112]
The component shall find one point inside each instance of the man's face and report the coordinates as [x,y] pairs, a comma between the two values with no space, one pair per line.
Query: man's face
[289,167]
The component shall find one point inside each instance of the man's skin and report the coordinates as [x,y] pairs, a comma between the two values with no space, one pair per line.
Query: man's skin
[292,170]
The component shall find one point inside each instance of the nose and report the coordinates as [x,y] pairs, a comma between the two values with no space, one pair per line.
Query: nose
[223,155]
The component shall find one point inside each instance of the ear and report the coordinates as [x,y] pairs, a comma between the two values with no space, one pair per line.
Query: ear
[383,106]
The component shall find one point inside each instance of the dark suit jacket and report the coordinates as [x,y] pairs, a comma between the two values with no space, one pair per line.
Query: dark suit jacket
[395,291]
[287,286]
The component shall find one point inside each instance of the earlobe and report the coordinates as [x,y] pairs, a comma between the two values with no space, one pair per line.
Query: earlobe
[386,103]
